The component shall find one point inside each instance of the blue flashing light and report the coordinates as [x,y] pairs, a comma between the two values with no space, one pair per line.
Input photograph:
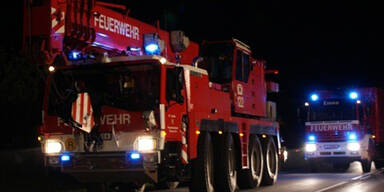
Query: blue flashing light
[311,138]
[353,95]
[64,158]
[74,55]
[135,156]
[352,136]
[134,49]
[152,48]
[314,97]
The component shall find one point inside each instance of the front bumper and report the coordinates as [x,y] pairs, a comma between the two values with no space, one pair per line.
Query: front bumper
[109,167]
[337,150]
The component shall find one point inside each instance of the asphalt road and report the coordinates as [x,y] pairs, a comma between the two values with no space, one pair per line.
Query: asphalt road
[22,171]
[351,181]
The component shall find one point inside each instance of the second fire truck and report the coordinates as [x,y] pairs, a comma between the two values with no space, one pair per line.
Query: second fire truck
[344,126]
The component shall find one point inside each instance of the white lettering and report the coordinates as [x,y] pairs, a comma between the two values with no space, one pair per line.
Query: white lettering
[110,119]
[116,26]
[113,119]
[59,121]
[127,119]
[331,127]
[127,30]
[118,118]
[102,22]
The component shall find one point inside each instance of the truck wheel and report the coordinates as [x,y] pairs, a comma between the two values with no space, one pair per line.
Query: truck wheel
[226,164]
[271,162]
[203,166]
[251,178]
[366,165]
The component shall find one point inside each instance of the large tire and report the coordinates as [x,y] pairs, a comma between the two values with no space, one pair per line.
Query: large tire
[366,165]
[271,162]
[226,173]
[203,166]
[251,178]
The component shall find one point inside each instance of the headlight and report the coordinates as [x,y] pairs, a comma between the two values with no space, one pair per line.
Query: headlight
[353,146]
[53,146]
[310,147]
[146,144]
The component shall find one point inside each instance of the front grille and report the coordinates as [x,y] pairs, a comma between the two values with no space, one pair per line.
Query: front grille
[339,153]
[331,136]
[325,153]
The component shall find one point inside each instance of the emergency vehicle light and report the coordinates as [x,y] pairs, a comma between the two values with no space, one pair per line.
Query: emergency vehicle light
[65,158]
[74,55]
[353,95]
[134,156]
[151,48]
[153,45]
[311,138]
[314,97]
[352,136]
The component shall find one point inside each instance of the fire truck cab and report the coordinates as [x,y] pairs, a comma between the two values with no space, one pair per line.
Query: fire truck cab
[343,126]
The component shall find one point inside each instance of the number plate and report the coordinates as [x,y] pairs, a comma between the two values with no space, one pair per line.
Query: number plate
[106,136]
[334,146]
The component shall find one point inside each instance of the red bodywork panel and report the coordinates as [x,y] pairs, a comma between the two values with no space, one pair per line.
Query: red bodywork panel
[90,26]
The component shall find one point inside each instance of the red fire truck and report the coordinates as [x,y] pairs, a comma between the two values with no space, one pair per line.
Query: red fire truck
[345,126]
[128,102]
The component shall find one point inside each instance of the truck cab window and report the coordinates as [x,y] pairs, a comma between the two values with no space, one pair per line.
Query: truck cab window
[218,59]
[242,66]
[175,85]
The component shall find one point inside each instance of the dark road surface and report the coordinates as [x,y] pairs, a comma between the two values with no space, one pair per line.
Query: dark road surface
[22,171]
[351,181]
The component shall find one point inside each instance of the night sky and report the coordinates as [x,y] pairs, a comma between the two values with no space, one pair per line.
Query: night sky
[314,44]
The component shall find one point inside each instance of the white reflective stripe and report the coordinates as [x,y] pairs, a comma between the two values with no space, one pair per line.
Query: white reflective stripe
[54,22]
[183,140]
[188,88]
[53,10]
[78,105]
[61,30]
[184,156]
[85,110]
[162,116]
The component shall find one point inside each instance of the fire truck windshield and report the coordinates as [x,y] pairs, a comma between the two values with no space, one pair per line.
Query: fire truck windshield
[218,59]
[332,110]
[129,87]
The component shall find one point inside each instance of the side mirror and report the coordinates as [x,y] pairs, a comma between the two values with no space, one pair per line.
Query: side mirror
[197,60]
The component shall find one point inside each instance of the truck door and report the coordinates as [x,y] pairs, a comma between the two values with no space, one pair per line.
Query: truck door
[242,93]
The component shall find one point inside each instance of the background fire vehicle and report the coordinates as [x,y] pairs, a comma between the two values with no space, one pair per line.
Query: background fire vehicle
[345,126]
[128,102]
